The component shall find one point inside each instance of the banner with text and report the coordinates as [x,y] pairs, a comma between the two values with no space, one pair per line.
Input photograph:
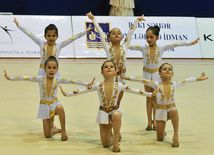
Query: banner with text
[172,30]
[206,33]
[14,43]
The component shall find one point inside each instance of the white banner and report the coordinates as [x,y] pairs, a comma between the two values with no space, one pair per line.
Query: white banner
[14,43]
[172,29]
[206,33]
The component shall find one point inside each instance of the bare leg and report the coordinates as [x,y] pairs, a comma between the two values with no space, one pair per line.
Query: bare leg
[149,108]
[118,103]
[48,128]
[161,130]
[106,134]
[154,105]
[60,111]
[116,119]
[173,115]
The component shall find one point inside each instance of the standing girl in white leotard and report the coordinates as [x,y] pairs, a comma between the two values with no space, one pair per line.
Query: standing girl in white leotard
[152,59]
[49,47]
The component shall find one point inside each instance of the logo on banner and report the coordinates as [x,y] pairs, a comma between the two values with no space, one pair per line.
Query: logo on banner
[93,38]
[6,30]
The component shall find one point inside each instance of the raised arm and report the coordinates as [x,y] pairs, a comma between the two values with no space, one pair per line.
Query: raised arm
[100,31]
[75,37]
[27,32]
[131,30]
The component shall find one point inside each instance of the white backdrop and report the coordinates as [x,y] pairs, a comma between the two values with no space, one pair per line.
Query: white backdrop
[173,29]
[14,43]
[206,33]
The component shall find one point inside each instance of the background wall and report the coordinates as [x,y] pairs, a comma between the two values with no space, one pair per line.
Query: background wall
[197,8]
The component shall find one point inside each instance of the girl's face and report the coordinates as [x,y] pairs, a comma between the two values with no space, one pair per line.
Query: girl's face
[115,35]
[108,69]
[166,71]
[51,69]
[51,37]
[151,38]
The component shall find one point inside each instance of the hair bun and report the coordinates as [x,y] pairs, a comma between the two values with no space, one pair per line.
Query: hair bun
[157,27]
[52,57]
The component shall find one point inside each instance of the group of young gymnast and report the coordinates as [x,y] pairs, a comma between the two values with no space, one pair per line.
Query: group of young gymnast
[159,89]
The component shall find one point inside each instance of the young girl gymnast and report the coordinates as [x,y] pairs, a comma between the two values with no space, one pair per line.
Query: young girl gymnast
[109,113]
[49,104]
[116,52]
[152,57]
[166,109]
[49,47]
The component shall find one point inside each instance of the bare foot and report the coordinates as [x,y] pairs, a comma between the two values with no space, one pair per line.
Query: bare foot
[55,130]
[116,147]
[149,126]
[64,136]
[175,142]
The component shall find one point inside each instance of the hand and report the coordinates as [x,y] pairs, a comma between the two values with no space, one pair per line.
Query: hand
[89,28]
[141,18]
[92,82]
[6,76]
[202,77]
[122,75]
[195,41]
[155,91]
[15,21]
[64,93]
[90,15]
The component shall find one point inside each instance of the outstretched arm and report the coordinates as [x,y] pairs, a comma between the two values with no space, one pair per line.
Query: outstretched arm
[6,76]
[202,77]
[78,91]
[177,44]
[22,78]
